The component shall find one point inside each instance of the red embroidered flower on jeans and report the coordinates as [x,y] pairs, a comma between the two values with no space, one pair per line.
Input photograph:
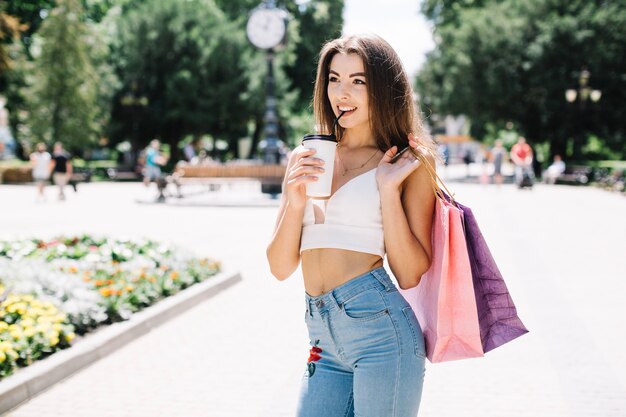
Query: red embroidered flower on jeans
[314,356]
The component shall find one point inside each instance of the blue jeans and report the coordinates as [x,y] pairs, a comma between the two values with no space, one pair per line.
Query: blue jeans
[371,362]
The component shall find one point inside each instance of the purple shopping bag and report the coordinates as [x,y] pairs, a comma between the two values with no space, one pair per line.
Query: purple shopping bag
[497,314]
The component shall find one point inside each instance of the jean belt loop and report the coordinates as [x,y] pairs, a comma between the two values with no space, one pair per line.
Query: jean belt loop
[334,298]
[380,276]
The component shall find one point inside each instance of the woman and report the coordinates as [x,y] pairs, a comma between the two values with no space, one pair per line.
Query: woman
[367,348]
[40,161]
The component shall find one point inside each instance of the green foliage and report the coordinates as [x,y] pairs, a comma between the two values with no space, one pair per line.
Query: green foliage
[596,148]
[319,22]
[137,69]
[512,60]
[188,63]
[63,93]
[31,13]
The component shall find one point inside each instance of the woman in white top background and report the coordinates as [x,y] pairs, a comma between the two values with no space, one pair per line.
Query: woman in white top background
[40,160]
[367,348]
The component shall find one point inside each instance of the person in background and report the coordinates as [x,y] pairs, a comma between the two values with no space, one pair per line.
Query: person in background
[40,161]
[61,168]
[498,154]
[154,161]
[522,157]
[190,149]
[555,169]
[468,158]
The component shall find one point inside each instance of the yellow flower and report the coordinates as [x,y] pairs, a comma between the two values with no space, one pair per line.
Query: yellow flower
[129,288]
[57,327]
[19,308]
[43,328]
[2,357]
[5,346]
[54,340]
[16,334]
[30,332]
[60,318]
[27,322]
[13,354]
[70,336]
[28,298]
[3,326]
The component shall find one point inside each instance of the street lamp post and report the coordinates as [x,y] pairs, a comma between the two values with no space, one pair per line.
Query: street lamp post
[267,30]
[582,95]
[271,148]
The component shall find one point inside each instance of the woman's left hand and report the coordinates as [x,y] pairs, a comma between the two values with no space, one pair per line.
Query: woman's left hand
[391,175]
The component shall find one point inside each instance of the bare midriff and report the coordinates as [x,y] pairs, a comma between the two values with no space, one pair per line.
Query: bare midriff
[326,269]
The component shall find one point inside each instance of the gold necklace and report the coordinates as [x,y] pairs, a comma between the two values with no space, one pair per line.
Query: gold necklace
[346,169]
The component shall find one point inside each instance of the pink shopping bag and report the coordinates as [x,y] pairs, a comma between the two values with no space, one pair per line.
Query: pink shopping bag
[444,301]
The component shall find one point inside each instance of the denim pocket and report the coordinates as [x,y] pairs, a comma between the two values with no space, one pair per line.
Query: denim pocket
[365,306]
[416,332]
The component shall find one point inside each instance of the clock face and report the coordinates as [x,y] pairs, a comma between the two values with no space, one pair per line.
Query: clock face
[266,28]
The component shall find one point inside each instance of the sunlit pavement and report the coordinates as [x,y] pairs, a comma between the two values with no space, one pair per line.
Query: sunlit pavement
[243,352]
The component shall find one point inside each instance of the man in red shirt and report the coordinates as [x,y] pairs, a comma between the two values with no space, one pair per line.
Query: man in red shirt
[522,157]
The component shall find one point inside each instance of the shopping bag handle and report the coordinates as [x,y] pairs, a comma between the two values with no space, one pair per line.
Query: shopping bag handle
[435,179]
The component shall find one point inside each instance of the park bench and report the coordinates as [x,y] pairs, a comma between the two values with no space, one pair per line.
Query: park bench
[121,174]
[575,175]
[24,174]
[215,174]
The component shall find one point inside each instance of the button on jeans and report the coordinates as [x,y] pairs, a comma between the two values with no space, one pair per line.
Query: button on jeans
[372,358]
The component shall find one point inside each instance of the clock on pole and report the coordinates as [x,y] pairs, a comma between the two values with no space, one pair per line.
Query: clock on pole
[267,26]
[267,30]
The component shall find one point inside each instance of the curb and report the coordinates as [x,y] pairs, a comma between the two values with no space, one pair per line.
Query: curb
[30,381]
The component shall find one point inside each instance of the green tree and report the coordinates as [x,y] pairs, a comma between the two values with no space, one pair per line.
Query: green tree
[512,60]
[63,94]
[10,29]
[319,21]
[183,70]
[31,13]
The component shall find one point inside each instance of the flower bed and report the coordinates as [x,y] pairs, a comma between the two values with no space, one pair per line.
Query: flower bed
[52,290]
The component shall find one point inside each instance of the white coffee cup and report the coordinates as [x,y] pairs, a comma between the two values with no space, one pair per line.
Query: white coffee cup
[326,147]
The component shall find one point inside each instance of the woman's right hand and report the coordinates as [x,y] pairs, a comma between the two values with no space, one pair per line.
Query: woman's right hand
[303,168]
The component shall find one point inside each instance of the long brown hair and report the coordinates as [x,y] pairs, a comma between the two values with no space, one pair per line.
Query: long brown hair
[393,113]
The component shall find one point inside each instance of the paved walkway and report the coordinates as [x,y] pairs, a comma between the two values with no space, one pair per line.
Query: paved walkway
[243,352]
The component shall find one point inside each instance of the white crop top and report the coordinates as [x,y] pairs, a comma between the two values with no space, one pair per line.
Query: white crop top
[351,219]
